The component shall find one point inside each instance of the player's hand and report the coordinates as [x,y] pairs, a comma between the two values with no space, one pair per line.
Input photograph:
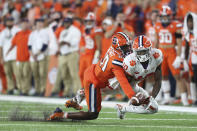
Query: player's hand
[177,62]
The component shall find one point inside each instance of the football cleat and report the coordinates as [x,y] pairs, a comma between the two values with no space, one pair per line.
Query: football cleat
[58,114]
[120,113]
[73,104]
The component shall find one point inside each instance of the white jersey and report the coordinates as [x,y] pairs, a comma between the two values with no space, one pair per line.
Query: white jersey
[135,69]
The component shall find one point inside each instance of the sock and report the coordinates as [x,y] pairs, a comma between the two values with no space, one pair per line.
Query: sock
[165,85]
[65,115]
[184,99]
[193,91]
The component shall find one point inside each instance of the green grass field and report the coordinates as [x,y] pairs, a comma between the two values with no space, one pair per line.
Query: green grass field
[23,116]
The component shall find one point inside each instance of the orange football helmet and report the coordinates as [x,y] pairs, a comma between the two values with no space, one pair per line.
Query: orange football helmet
[121,42]
[165,14]
[142,47]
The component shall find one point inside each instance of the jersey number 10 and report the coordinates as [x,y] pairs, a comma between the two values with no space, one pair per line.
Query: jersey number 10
[165,37]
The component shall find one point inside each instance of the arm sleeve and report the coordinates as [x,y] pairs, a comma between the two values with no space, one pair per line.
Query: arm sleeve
[44,47]
[125,85]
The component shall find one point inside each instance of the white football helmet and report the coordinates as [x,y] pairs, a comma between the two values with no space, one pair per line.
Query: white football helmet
[142,47]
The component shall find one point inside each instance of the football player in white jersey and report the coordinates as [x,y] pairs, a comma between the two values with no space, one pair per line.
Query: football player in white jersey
[142,63]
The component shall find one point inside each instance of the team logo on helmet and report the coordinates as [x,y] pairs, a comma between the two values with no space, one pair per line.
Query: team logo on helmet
[115,40]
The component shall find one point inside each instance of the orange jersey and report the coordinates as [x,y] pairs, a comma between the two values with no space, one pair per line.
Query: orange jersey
[150,31]
[96,77]
[105,44]
[21,41]
[119,29]
[167,34]
[111,66]
[88,40]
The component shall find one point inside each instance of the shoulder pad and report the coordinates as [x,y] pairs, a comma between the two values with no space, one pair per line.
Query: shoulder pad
[129,64]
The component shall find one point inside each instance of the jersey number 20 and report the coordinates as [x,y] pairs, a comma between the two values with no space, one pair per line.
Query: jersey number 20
[104,62]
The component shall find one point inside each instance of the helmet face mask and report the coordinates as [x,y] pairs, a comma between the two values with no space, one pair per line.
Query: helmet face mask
[126,50]
[165,19]
[143,55]
[121,43]
[141,48]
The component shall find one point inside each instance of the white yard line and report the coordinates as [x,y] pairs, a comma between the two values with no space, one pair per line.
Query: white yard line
[135,119]
[108,104]
[124,126]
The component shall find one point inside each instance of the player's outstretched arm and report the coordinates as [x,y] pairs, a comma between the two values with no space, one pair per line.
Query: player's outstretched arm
[157,85]
[125,85]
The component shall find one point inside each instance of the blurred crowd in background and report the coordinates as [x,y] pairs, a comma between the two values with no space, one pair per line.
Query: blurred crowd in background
[46,45]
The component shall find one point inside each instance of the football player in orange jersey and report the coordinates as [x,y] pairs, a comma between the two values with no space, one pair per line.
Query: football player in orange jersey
[149,26]
[168,33]
[96,77]
[90,43]
[190,40]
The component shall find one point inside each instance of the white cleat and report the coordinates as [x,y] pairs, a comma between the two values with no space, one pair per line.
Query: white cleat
[120,113]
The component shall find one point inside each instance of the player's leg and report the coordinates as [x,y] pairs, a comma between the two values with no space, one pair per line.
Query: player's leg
[80,95]
[82,67]
[93,98]
[150,108]
[193,84]
[179,81]
[165,84]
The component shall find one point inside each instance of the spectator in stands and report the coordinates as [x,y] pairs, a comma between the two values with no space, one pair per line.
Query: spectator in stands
[106,42]
[120,26]
[9,61]
[116,7]
[20,41]
[149,26]
[68,46]
[38,46]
